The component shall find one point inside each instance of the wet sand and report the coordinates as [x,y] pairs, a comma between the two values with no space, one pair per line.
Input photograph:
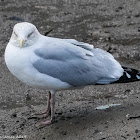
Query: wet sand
[111,25]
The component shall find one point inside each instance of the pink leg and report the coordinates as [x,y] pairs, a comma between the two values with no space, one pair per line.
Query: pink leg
[48,107]
[48,121]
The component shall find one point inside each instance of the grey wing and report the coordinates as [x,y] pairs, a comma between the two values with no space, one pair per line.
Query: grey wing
[77,66]
[69,64]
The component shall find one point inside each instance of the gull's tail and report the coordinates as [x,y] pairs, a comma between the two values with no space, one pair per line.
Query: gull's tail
[129,75]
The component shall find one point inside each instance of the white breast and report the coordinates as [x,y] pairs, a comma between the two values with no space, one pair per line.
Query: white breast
[19,62]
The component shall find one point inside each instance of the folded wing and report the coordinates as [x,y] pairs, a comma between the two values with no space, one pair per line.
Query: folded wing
[76,65]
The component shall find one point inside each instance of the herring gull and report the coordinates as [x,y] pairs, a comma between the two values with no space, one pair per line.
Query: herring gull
[58,64]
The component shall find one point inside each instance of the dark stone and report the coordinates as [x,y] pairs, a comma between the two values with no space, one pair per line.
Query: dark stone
[13,133]
[106,126]
[138,15]
[123,136]
[14,115]
[136,131]
[120,8]
[96,131]
[3,126]
[102,139]
[28,98]
[64,132]
[22,124]
[128,90]
[60,113]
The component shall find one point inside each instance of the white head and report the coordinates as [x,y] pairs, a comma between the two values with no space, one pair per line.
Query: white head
[24,34]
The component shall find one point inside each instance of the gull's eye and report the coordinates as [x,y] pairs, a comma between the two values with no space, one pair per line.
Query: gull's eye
[30,34]
[15,34]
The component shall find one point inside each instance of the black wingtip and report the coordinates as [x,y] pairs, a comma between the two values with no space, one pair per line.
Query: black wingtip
[129,75]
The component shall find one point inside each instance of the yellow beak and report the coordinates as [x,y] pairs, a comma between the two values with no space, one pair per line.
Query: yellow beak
[21,42]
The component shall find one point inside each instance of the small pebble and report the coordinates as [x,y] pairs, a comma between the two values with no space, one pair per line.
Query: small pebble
[127,115]
[13,133]
[64,132]
[14,115]
[3,126]
[136,131]
[137,15]
[101,133]
[102,138]
[96,131]
[28,98]
[120,8]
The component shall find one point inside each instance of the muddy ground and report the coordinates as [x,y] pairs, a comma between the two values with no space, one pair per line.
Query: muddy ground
[113,25]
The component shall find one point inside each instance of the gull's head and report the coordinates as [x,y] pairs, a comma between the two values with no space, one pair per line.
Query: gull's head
[24,34]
